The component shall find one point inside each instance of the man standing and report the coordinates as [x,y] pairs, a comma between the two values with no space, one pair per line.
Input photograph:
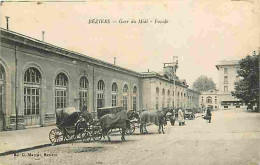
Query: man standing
[84,107]
[172,119]
[180,117]
[208,114]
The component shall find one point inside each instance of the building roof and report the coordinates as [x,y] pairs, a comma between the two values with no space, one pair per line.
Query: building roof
[227,63]
[26,40]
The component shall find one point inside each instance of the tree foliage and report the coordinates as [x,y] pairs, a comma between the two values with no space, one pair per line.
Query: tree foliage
[203,83]
[247,89]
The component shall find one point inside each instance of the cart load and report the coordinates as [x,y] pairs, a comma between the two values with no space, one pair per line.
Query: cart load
[67,117]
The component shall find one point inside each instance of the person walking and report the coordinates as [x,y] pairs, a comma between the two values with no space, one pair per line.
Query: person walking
[172,119]
[208,114]
[180,117]
[84,107]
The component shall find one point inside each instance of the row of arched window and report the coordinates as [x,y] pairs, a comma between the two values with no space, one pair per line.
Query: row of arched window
[32,82]
[169,99]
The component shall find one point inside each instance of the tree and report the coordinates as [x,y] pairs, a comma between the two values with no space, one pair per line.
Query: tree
[247,88]
[203,83]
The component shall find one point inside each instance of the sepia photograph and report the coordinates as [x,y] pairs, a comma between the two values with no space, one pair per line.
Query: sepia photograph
[129,82]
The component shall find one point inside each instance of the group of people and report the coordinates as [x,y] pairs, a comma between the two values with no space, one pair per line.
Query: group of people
[181,116]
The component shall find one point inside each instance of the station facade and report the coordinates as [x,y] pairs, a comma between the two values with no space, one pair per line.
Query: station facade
[36,78]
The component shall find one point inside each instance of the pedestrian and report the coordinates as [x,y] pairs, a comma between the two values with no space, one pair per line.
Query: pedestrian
[208,114]
[172,119]
[180,117]
[84,107]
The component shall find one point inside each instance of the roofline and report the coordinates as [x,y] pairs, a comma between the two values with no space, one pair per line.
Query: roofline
[26,40]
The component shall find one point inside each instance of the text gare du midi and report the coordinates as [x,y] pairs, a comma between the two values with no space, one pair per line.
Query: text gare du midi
[128,21]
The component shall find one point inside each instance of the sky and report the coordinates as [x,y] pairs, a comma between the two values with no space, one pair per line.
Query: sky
[200,32]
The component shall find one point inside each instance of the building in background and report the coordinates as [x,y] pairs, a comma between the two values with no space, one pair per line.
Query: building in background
[227,76]
[222,98]
[36,78]
[209,99]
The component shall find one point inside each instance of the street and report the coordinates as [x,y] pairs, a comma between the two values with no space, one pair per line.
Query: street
[233,137]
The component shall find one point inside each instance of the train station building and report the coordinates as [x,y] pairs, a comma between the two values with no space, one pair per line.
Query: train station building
[36,78]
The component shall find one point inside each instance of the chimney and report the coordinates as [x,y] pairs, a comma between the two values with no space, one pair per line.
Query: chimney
[114,60]
[7,24]
[43,36]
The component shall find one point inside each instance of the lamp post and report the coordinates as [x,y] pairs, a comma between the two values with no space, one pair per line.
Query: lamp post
[175,65]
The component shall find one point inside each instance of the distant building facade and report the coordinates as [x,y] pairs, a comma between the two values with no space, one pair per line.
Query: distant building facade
[209,98]
[222,98]
[227,76]
[36,78]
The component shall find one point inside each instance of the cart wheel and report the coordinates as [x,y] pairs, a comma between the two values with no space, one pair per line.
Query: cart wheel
[97,135]
[86,137]
[55,136]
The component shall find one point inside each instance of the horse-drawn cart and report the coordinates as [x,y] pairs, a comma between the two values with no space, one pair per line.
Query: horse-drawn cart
[72,124]
[189,113]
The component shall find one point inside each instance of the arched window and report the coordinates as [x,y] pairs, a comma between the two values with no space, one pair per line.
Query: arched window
[135,98]
[2,96]
[125,98]
[114,94]
[83,93]
[157,99]
[209,100]
[169,98]
[61,91]
[163,97]
[100,94]
[32,81]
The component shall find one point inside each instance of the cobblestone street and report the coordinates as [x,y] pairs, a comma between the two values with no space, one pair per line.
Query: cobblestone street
[233,137]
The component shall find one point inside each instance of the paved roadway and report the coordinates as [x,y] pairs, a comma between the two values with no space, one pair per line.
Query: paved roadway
[233,137]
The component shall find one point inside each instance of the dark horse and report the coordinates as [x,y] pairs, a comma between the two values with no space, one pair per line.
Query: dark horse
[119,120]
[156,117]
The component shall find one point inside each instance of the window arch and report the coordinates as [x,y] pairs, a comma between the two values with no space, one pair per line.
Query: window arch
[2,93]
[135,98]
[125,89]
[157,99]
[101,85]
[114,94]
[100,94]
[125,96]
[61,91]
[32,82]
[163,97]
[209,99]
[169,98]
[32,75]
[83,93]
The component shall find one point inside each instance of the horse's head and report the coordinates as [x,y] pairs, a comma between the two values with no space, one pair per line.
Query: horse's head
[166,110]
[132,114]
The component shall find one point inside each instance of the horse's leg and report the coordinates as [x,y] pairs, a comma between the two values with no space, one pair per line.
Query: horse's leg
[159,129]
[123,134]
[163,130]
[108,135]
[145,128]
[141,128]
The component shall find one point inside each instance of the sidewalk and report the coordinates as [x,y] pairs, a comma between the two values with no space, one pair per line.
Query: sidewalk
[11,141]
